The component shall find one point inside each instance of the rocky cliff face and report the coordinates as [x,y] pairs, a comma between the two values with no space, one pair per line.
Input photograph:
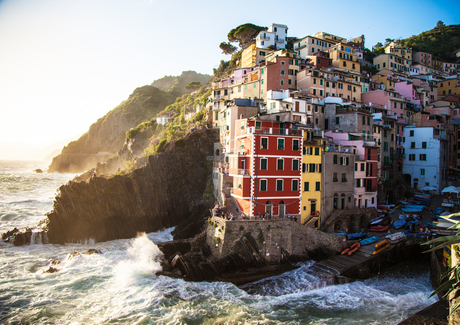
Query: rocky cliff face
[164,192]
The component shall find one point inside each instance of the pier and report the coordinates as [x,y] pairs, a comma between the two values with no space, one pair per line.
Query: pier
[363,263]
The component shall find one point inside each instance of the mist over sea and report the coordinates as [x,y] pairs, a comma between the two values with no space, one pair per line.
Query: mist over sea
[120,285]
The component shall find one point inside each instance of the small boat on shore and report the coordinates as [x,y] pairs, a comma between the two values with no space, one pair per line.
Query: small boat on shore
[399,223]
[369,240]
[378,228]
[396,237]
[415,234]
[354,248]
[380,246]
[357,235]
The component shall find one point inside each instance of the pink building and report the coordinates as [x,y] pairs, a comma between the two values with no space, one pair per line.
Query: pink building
[407,89]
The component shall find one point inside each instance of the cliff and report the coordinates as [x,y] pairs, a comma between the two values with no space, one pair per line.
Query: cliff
[106,137]
[167,190]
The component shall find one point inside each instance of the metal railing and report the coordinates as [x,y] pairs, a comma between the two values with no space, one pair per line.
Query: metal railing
[267,130]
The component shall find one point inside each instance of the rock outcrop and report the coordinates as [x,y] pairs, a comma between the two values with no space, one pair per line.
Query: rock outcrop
[165,191]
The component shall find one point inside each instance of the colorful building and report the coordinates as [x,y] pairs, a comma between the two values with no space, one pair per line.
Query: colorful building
[266,167]
[312,178]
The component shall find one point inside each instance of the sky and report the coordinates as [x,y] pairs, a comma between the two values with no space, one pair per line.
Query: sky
[66,63]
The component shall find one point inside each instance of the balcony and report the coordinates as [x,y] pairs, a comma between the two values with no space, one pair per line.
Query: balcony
[279,40]
[244,172]
[264,38]
[371,189]
[275,131]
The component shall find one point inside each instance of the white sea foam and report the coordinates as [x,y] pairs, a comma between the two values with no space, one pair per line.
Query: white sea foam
[143,259]
[119,286]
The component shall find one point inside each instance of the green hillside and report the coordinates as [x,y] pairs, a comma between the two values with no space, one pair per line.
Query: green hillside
[176,85]
[441,41]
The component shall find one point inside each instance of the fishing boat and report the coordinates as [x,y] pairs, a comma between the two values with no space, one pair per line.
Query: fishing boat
[415,234]
[412,210]
[369,240]
[399,223]
[419,202]
[396,237]
[378,228]
[357,235]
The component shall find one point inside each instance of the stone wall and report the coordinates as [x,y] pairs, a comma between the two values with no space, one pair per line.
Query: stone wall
[273,237]
[351,220]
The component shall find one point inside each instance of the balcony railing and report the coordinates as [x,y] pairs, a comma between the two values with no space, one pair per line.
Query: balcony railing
[243,171]
[279,40]
[265,130]
[265,38]
[371,189]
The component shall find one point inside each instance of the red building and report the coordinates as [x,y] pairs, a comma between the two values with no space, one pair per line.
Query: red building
[266,167]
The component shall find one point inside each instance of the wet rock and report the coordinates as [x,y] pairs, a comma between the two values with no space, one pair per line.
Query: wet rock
[161,194]
[51,270]
[72,255]
[38,171]
[55,262]
[92,251]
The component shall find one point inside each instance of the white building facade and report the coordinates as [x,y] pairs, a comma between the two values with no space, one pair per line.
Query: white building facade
[275,36]
[425,157]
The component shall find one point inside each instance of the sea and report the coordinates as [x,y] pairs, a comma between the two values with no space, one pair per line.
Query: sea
[120,286]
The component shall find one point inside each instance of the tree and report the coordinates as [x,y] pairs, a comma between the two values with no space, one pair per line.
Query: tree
[227,48]
[378,45]
[388,40]
[244,34]
[194,85]
[440,24]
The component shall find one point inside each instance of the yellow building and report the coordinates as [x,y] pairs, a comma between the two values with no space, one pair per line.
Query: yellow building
[399,50]
[253,56]
[311,204]
[449,86]
[343,57]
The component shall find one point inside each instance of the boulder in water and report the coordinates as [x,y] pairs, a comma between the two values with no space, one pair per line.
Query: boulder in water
[92,251]
[50,270]
[72,255]
[38,171]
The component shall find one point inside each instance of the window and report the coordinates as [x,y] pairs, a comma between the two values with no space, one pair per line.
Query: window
[337,120]
[335,178]
[424,145]
[263,164]
[282,72]
[412,157]
[335,159]
[385,146]
[356,167]
[295,164]
[412,145]
[362,167]
[264,143]
[279,164]
[258,125]
[295,144]
[304,168]
[295,184]
[316,151]
[344,177]
[411,133]
[423,157]
[282,82]
[364,120]
[306,186]
[312,168]
[318,186]
[280,144]
[422,171]
[279,184]
[263,185]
